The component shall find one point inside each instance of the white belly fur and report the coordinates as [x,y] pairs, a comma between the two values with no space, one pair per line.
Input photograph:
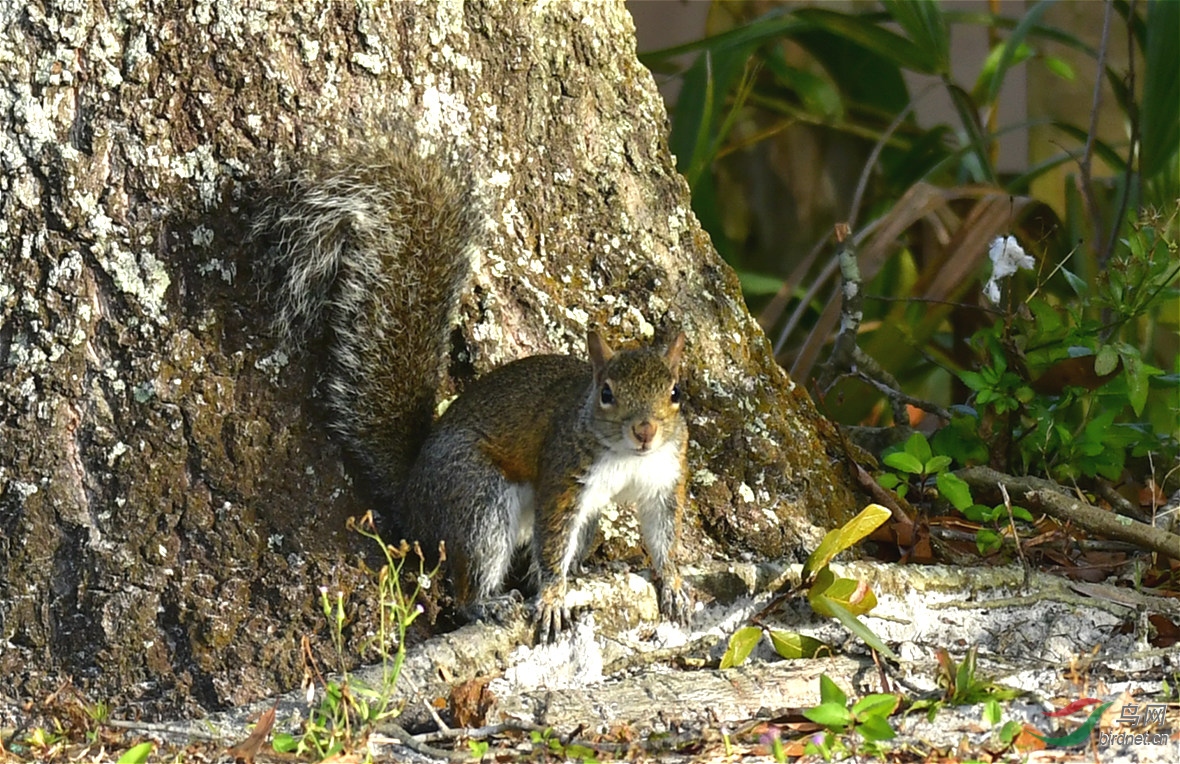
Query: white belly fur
[623,478]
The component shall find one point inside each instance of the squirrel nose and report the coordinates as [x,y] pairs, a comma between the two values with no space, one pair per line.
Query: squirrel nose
[644,432]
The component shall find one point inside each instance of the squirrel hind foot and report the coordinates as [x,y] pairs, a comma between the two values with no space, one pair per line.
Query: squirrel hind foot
[501,609]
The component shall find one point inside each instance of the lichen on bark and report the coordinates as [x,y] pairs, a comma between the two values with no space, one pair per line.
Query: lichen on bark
[169,503]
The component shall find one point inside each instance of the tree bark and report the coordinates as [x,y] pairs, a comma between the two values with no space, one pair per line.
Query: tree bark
[169,504]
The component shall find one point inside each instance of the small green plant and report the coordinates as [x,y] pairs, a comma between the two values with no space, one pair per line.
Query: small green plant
[916,463]
[962,686]
[841,598]
[1068,376]
[867,718]
[349,707]
[993,714]
[547,741]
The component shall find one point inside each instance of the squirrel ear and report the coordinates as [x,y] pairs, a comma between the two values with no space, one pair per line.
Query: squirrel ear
[674,352]
[600,352]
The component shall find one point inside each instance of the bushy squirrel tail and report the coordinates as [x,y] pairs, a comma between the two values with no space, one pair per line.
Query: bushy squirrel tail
[369,255]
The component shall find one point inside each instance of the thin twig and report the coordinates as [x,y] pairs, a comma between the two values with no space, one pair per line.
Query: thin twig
[894,393]
[399,735]
[870,163]
[1016,536]
[850,311]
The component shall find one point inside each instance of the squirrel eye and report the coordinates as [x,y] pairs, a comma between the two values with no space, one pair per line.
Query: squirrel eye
[676,393]
[608,396]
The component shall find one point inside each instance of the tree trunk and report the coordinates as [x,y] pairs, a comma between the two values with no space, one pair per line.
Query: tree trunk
[169,503]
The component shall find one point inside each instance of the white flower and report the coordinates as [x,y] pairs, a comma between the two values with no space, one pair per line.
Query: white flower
[1007,257]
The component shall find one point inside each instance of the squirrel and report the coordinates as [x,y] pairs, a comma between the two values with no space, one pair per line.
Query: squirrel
[370,253]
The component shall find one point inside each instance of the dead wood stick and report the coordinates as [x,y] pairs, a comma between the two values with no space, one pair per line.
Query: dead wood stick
[1047,497]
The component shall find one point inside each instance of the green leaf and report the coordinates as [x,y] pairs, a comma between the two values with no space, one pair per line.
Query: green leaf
[917,446]
[1060,67]
[936,464]
[857,627]
[830,692]
[878,704]
[1113,158]
[992,713]
[741,644]
[1020,513]
[1106,360]
[839,539]
[830,714]
[1160,103]
[794,646]
[900,460]
[924,23]
[965,675]
[818,94]
[876,728]
[1012,45]
[1138,379]
[978,513]
[955,490]
[757,284]
[877,39]
[973,380]
[863,78]
[978,138]
[284,742]
[771,27]
[848,592]
[990,69]
[988,541]
[136,754]
[1076,283]
[1010,731]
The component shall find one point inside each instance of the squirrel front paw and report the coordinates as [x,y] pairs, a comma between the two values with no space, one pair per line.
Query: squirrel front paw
[675,604]
[552,614]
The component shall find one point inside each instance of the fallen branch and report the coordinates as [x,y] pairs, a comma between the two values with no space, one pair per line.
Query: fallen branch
[1048,498]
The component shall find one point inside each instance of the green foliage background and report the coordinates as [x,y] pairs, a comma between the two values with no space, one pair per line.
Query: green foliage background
[924,202]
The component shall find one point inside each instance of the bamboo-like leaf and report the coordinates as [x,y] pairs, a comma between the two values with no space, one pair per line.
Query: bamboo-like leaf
[772,26]
[1160,110]
[857,627]
[1013,43]
[839,539]
[977,137]
[874,37]
[924,22]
